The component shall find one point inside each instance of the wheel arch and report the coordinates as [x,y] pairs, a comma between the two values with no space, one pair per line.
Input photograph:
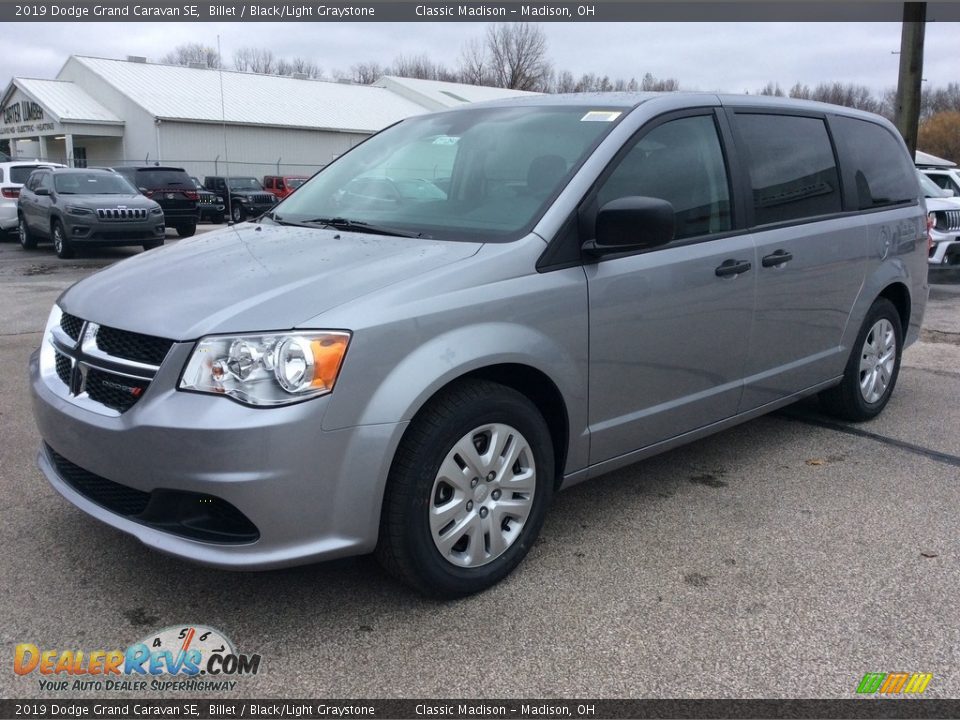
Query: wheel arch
[898,294]
[538,388]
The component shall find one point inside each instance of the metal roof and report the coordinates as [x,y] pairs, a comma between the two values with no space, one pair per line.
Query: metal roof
[440,95]
[181,93]
[65,101]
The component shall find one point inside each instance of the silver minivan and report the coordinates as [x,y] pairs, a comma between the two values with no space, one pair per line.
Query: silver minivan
[477,308]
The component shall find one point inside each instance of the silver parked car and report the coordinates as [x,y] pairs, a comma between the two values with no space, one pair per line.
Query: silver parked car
[82,208]
[589,281]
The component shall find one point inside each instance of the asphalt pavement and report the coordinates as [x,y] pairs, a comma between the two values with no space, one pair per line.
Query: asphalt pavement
[783,558]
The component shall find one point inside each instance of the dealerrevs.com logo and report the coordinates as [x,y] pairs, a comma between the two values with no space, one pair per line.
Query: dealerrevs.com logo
[186,657]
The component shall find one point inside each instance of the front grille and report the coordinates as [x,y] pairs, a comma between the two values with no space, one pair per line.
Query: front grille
[262,199]
[113,496]
[71,325]
[953,220]
[122,213]
[114,391]
[63,368]
[133,346]
[179,512]
[116,374]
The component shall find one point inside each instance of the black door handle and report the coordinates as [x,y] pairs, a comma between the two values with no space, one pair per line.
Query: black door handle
[777,258]
[732,267]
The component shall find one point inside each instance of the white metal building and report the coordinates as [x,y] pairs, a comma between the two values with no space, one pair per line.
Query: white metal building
[101,112]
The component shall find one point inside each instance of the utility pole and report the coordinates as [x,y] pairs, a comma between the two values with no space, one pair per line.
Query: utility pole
[911,70]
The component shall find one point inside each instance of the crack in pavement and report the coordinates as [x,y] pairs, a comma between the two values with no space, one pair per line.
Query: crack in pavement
[934,455]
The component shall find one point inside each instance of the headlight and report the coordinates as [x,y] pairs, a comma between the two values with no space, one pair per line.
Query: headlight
[78,210]
[269,369]
[156,211]
[219,199]
[938,220]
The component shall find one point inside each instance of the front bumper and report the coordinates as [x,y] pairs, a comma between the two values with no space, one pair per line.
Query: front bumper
[89,228]
[946,249]
[312,495]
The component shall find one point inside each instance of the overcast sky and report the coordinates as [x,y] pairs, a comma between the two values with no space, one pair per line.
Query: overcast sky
[734,57]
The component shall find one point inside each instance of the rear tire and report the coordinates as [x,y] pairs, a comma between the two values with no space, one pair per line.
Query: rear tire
[468,490]
[61,245]
[873,367]
[186,231]
[27,239]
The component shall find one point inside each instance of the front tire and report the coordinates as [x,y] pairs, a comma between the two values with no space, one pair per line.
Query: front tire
[61,245]
[237,213]
[27,240]
[468,490]
[873,367]
[186,231]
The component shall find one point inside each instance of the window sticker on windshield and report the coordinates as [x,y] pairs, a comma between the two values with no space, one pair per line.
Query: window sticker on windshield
[445,140]
[601,116]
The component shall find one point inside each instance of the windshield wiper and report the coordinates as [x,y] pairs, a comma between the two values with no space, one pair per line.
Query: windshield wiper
[340,223]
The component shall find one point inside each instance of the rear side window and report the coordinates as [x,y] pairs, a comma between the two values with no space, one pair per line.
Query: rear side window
[163,179]
[792,169]
[20,173]
[880,171]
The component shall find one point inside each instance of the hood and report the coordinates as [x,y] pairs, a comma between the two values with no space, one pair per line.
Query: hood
[251,278]
[942,203]
[109,200]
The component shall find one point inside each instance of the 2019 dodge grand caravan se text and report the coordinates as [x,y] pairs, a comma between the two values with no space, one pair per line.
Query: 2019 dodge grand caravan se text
[597,279]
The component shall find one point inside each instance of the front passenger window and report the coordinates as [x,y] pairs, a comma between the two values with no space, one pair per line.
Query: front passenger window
[680,161]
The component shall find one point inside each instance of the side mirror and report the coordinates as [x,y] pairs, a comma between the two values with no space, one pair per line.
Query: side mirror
[42,191]
[632,223]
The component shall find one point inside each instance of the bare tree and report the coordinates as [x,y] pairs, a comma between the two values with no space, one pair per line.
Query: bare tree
[518,56]
[257,60]
[474,65]
[565,83]
[940,135]
[773,89]
[192,53]
[418,66]
[306,67]
[363,73]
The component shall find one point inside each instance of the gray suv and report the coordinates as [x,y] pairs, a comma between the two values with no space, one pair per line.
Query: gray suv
[76,208]
[586,281]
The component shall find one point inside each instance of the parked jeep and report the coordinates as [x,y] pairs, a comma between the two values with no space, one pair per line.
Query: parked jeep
[211,204]
[78,208]
[172,189]
[283,185]
[245,196]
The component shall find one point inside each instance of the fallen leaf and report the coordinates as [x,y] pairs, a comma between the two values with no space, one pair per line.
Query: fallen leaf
[815,461]
[928,554]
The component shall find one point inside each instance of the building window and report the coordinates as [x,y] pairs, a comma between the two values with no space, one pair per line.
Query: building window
[79,157]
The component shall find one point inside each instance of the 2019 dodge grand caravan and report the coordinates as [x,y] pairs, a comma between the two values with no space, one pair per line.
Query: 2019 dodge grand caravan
[596,279]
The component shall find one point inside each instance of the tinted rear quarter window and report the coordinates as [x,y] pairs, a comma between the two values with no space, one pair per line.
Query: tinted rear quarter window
[20,173]
[792,169]
[163,179]
[879,169]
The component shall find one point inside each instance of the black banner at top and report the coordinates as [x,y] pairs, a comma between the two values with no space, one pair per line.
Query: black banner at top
[145,709]
[434,10]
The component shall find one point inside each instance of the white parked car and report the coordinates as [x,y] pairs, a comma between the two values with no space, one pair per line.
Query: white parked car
[13,175]
[946,178]
[943,213]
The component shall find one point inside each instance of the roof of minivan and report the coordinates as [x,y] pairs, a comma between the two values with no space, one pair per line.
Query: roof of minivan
[631,100]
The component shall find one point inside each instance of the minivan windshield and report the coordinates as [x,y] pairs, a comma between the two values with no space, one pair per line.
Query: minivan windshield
[484,174]
[92,183]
